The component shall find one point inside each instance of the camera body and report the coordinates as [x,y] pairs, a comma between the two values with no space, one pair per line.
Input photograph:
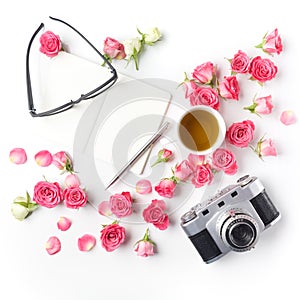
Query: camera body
[230,220]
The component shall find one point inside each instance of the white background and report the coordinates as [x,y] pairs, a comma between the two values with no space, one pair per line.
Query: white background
[194,32]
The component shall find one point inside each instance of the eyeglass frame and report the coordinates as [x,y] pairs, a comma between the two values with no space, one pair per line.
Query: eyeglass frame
[95,92]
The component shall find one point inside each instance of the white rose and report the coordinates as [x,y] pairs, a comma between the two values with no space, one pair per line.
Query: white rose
[19,211]
[152,35]
[132,47]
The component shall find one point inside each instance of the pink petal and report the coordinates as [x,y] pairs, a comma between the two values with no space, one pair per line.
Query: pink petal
[72,180]
[104,208]
[288,117]
[53,245]
[64,223]
[18,156]
[143,186]
[86,242]
[43,158]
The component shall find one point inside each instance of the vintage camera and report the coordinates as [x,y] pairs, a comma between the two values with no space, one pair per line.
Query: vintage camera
[230,220]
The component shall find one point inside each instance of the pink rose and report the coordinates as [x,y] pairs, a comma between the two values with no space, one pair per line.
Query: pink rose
[112,236]
[47,194]
[166,188]
[267,148]
[262,69]
[240,134]
[63,161]
[144,248]
[50,44]
[155,214]
[163,155]
[182,171]
[271,43]
[240,62]
[229,88]
[204,73]
[75,197]
[189,88]
[264,105]
[121,204]
[202,175]
[205,96]
[223,159]
[114,49]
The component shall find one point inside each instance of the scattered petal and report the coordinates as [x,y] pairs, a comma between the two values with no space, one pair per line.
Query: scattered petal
[143,186]
[104,208]
[53,245]
[43,158]
[64,223]
[288,117]
[18,156]
[86,242]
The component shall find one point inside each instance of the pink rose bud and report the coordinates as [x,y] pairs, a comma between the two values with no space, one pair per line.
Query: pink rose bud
[262,105]
[182,171]
[163,155]
[229,88]
[155,214]
[64,223]
[112,236]
[63,161]
[86,243]
[104,208]
[189,87]
[143,186]
[114,49]
[166,188]
[194,160]
[240,63]
[18,156]
[204,73]
[43,158]
[50,44]
[288,117]
[72,180]
[53,245]
[265,147]
[145,246]
[271,43]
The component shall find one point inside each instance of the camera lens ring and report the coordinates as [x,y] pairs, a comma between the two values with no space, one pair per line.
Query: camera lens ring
[240,232]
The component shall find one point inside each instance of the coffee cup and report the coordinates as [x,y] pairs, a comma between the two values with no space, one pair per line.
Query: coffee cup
[201,130]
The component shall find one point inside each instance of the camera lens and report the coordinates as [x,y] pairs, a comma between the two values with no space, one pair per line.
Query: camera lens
[240,232]
[241,235]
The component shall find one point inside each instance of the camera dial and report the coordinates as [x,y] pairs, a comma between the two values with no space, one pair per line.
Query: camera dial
[239,231]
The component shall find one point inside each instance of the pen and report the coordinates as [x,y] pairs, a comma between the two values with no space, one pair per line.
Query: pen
[149,143]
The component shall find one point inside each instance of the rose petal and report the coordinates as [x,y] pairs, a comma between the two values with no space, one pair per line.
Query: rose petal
[143,186]
[43,158]
[104,208]
[53,245]
[18,156]
[86,242]
[288,117]
[64,223]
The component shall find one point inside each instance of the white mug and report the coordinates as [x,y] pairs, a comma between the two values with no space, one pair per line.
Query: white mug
[201,130]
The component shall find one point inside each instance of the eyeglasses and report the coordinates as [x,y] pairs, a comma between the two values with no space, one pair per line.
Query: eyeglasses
[93,93]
